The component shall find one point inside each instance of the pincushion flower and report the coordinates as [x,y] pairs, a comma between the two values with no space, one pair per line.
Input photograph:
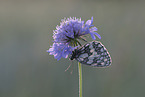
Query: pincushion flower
[73,28]
[67,35]
[60,50]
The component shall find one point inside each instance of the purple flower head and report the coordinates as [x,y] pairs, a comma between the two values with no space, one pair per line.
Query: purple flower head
[60,50]
[71,29]
[67,34]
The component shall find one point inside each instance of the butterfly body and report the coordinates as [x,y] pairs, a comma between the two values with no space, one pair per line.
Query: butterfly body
[93,53]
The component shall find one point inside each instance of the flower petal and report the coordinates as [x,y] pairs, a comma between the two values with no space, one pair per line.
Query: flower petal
[93,36]
[97,35]
[58,57]
[93,29]
[89,22]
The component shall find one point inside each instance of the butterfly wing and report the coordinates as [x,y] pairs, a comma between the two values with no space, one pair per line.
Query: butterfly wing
[94,54]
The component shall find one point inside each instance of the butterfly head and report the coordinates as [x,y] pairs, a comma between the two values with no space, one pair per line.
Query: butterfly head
[73,55]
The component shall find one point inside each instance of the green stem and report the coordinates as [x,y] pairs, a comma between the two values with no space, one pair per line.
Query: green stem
[79,71]
[80,79]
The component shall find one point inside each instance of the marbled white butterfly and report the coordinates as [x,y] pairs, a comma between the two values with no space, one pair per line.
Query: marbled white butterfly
[93,53]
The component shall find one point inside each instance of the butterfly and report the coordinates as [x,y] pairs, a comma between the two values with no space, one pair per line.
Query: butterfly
[93,54]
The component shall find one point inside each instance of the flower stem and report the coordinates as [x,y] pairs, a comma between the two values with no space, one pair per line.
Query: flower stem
[80,78]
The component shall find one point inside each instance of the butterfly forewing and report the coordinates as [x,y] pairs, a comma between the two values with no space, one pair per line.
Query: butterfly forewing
[93,54]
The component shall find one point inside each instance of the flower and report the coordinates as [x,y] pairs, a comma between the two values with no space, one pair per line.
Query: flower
[60,50]
[71,29]
[67,34]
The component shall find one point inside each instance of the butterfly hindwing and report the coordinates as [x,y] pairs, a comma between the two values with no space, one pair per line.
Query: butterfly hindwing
[93,54]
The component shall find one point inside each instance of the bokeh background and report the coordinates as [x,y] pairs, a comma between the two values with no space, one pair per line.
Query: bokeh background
[27,70]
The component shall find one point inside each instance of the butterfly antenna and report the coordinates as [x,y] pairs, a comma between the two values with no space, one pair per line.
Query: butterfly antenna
[72,68]
[67,68]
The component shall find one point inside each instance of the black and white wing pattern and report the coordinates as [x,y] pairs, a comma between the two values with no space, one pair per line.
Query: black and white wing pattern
[93,53]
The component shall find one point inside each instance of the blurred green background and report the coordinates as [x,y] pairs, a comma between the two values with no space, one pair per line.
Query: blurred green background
[26,29]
